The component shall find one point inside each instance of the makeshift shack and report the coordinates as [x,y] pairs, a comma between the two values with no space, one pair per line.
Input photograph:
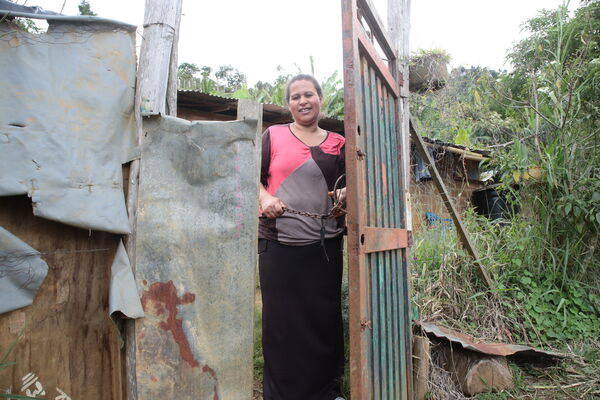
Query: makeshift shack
[66,128]
[459,169]
[68,133]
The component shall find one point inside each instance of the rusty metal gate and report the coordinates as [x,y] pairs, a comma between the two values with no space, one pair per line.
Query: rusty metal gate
[380,351]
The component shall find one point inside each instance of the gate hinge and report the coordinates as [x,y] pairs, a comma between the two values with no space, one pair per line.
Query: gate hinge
[364,324]
[360,154]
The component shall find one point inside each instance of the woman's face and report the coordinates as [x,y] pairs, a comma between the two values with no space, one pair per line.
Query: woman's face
[304,102]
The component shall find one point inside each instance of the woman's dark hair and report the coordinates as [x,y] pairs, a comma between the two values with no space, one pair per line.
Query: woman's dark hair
[302,77]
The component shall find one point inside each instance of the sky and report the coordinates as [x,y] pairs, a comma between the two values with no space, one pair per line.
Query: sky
[258,36]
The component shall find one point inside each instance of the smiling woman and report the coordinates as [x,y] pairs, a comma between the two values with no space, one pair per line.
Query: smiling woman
[301,255]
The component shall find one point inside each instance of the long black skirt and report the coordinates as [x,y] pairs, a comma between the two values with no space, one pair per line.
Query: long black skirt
[303,343]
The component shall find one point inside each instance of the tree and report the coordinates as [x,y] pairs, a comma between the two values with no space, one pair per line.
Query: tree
[186,71]
[230,79]
[85,8]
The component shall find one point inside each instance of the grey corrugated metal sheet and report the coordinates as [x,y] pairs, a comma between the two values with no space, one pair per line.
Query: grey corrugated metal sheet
[22,272]
[67,121]
[196,255]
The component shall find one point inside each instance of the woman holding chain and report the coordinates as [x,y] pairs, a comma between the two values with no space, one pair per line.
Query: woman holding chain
[300,247]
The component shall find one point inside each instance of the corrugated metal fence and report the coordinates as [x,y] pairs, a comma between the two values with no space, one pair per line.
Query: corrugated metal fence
[377,235]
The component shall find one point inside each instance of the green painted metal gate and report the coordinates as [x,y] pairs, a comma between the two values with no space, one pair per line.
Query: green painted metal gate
[380,350]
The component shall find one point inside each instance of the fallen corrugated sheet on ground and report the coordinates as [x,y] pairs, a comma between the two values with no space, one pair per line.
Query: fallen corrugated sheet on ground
[492,348]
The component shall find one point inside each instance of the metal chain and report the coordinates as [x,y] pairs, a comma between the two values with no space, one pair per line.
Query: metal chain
[337,209]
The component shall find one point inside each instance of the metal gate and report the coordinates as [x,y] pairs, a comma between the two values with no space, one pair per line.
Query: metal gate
[380,351]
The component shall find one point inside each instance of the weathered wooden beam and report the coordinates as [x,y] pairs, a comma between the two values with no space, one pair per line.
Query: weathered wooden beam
[421,366]
[173,66]
[161,23]
[398,19]
[370,14]
[439,184]
[477,373]
[398,27]
[371,53]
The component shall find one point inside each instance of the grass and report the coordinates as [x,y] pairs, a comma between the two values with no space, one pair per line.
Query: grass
[259,361]
[539,305]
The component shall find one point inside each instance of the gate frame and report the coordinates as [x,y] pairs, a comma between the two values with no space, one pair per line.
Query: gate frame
[364,239]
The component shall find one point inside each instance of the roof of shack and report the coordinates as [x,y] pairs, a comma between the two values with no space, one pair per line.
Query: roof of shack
[272,113]
[275,114]
[11,9]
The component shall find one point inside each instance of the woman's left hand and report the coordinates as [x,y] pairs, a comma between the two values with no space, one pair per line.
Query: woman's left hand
[339,207]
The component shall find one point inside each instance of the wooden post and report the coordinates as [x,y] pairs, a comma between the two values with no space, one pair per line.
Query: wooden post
[173,67]
[398,13]
[439,183]
[155,72]
[399,30]
[421,366]
[249,109]
[477,373]
[160,32]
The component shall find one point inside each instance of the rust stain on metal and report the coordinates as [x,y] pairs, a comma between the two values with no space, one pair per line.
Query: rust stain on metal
[383,239]
[161,299]
[384,178]
[163,296]
[212,373]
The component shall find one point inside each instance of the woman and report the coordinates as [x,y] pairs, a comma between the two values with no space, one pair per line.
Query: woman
[301,256]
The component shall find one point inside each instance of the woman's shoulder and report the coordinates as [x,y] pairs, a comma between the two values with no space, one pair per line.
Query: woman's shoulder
[333,144]
[277,129]
[335,139]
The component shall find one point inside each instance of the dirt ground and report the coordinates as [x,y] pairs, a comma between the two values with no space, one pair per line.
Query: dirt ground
[257,393]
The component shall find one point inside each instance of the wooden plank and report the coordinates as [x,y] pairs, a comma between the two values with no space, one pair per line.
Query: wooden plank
[399,28]
[378,28]
[398,13]
[369,50]
[156,90]
[173,65]
[69,341]
[439,183]
[382,239]
[160,21]
[421,362]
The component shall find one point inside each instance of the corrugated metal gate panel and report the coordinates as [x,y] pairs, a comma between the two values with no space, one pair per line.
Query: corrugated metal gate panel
[379,299]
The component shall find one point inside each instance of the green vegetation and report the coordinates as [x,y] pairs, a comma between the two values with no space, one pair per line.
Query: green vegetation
[540,121]
[544,116]
[85,8]
[438,54]
[258,359]
[5,364]
[228,81]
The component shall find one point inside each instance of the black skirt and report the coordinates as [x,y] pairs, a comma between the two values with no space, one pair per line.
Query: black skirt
[303,342]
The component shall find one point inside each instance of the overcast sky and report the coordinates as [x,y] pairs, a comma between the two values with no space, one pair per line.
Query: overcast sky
[257,36]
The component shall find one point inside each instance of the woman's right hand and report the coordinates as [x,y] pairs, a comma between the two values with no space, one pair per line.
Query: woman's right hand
[271,206]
